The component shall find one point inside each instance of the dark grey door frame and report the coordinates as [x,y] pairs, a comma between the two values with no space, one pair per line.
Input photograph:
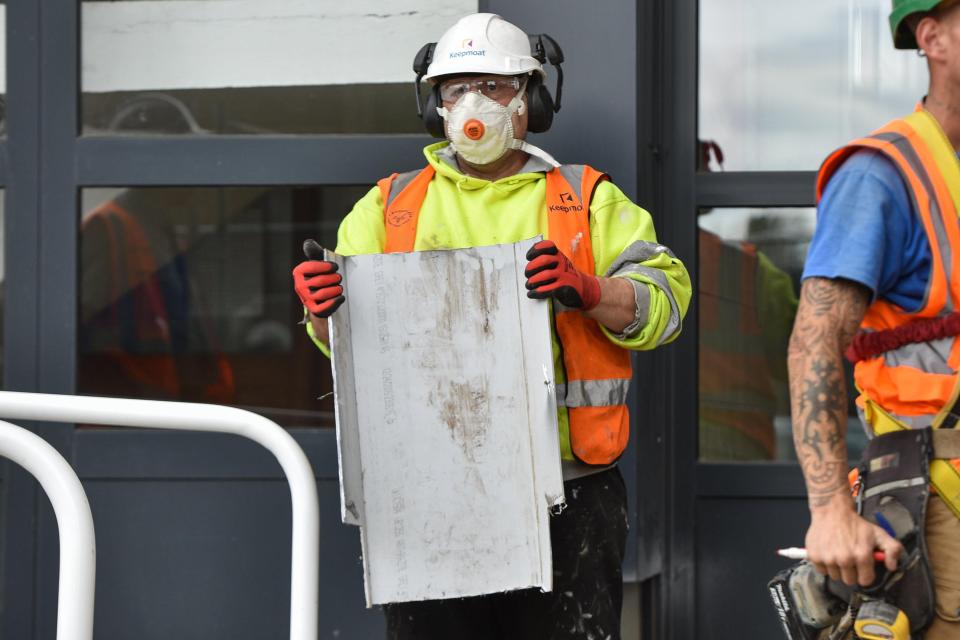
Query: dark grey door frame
[680,191]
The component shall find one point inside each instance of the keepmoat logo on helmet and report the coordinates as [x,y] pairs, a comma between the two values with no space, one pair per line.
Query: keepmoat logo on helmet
[481,43]
[468,52]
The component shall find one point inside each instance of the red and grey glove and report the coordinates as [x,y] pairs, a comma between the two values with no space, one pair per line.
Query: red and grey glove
[550,274]
[318,284]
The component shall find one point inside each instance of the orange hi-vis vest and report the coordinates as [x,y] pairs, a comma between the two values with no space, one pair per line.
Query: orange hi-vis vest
[136,318]
[915,384]
[736,383]
[145,324]
[597,372]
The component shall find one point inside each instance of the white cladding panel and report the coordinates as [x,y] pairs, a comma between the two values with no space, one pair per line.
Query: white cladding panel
[197,44]
[446,368]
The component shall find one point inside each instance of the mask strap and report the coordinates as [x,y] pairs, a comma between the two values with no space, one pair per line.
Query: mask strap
[534,150]
[517,103]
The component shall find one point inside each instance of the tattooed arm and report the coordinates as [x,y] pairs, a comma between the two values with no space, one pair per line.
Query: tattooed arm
[839,542]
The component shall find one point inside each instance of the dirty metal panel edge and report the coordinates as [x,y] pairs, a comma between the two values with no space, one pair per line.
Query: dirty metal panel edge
[345,405]
[542,407]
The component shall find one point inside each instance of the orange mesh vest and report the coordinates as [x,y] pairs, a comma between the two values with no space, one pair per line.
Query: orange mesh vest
[132,328]
[598,372]
[735,378]
[136,315]
[915,382]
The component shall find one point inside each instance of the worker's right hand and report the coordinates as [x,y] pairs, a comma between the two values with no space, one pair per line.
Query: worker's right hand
[841,544]
[319,286]
[551,274]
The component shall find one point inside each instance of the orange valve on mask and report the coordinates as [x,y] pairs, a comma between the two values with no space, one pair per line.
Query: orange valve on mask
[474,129]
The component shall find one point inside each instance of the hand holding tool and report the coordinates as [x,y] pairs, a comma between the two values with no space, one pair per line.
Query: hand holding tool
[798,553]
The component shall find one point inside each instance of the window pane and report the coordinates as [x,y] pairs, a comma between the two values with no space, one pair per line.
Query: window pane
[255,66]
[751,261]
[784,83]
[186,294]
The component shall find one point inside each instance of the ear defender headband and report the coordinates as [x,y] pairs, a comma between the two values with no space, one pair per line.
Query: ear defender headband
[540,103]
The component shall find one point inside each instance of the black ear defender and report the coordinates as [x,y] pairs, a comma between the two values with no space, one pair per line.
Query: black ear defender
[427,112]
[540,103]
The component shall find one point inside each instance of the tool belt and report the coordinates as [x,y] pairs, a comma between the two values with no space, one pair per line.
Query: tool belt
[892,490]
[944,475]
[893,493]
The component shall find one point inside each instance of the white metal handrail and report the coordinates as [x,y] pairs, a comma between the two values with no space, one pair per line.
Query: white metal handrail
[78,549]
[305,560]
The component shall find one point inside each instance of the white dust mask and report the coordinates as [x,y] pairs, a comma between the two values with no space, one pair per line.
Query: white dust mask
[480,129]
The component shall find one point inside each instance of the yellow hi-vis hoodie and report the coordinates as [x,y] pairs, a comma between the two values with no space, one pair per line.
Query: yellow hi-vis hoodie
[461,211]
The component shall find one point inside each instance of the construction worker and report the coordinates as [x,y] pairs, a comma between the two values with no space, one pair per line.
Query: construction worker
[881,282]
[747,306]
[613,288]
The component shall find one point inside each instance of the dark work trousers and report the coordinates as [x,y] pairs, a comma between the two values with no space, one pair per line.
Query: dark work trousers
[588,539]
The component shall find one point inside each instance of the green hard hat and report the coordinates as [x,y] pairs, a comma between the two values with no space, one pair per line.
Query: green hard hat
[903,38]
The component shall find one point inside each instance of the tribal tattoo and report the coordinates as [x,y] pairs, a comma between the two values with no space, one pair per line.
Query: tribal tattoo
[829,314]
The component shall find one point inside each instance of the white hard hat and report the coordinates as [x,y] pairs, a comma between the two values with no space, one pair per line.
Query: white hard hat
[483,43]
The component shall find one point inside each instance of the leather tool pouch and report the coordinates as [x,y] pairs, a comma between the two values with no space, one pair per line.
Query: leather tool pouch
[895,479]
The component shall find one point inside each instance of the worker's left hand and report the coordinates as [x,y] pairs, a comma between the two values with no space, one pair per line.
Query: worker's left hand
[550,274]
[319,286]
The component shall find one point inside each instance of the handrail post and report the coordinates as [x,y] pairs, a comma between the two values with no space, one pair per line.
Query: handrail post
[74,522]
[184,416]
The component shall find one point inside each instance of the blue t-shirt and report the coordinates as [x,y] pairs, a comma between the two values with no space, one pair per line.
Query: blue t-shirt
[867,232]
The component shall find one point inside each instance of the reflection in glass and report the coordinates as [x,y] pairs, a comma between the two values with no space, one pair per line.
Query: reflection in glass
[243,67]
[784,83]
[750,265]
[185,294]
[357,108]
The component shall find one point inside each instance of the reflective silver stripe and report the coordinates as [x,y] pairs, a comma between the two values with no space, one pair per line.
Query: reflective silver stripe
[638,251]
[903,145]
[573,174]
[659,279]
[896,484]
[640,316]
[946,251]
[399,184]
[927,357]
[915,422]
[593,393]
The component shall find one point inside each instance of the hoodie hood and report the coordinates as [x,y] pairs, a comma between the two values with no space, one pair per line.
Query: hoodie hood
[443,159]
